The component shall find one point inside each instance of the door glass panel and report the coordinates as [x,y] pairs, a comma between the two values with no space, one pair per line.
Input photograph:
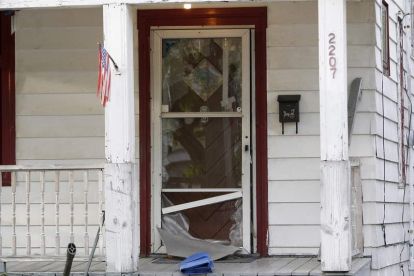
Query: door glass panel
[201,153]
[204,151]
[202,75]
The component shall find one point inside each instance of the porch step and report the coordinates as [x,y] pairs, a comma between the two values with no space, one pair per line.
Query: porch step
[281,266]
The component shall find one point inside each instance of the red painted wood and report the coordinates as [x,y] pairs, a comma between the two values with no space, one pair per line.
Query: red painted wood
[203,17]
[7,96]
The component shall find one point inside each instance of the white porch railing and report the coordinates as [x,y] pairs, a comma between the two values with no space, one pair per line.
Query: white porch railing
[48,206]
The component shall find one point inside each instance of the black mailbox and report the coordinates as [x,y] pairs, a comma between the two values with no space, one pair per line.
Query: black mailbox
[288,110]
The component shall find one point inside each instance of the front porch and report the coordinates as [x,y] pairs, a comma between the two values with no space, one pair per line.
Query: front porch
[155,267]
[48,206]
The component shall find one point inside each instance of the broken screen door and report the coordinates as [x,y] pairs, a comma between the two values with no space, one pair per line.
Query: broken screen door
[201,145]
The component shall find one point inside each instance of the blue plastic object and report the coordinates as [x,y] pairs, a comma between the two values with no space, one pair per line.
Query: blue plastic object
[199,263]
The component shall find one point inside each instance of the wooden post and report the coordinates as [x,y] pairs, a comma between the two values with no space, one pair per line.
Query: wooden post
[121,181]
[335,177]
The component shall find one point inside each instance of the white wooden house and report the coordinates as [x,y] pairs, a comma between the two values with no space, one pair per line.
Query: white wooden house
[193,116]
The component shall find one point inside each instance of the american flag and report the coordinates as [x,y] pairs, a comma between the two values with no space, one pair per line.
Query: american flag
[104,78]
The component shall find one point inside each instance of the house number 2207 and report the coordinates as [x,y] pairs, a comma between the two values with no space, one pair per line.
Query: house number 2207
[332,55]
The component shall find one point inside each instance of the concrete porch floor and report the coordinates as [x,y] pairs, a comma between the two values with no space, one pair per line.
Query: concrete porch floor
[278,266]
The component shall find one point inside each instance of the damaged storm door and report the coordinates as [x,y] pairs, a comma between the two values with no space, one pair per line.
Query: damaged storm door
[201,135]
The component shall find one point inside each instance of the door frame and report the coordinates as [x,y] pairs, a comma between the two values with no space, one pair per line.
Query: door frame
[245,116]
[256,17]
[7,95]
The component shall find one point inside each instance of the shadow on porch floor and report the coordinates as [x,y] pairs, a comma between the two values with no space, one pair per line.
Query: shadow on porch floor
[261,267]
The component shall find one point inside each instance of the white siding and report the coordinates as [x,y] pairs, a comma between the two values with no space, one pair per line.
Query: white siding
[386,245]
[294,159]
[59,119]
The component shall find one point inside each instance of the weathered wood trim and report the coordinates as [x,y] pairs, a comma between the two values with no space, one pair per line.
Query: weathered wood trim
[122,239]
[11,168]
[335,178]
[121,181]
[335,216]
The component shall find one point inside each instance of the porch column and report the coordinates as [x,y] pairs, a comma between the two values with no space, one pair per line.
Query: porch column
[121,179]
[335,176]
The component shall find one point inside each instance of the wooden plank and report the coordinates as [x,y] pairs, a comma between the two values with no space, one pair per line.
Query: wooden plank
[73,103]
[143,261]
[358,264]
[291,236]
[42,213]
[12,265]
[86,212]
[301,13]
[57,37]
[169,271]
[202,202]
[56,60]
[317,271]
[221,269]
[119,112]
[29,266]
[13,190]
[57,215]
[304,146]
[61,18]
[121,173]
[60,126]
[150,269]
[333,80]
[294,191]
[258,265]
[232,269]
[335,188]
[292,34]
[28,234]
[292,266]
[292,79]
[47,258]
[275,266]
[335,216]
[60,148]
[80,267]
[9,168]
[306,268]
[98,267]
[287,169]
[53,267]
[294,213]
[121,202]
